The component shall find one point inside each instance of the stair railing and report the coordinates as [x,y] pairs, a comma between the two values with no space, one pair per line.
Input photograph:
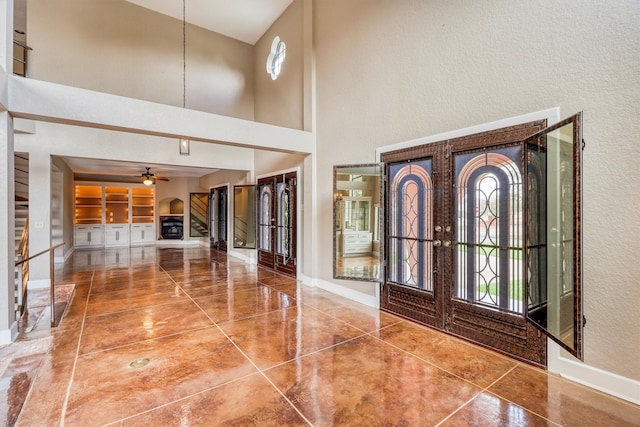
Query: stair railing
[50,251]
[23,269]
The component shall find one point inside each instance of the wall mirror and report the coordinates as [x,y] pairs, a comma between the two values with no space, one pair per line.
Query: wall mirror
[244,216]
[357,222]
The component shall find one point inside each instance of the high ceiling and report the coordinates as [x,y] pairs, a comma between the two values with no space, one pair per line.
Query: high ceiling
[245,20]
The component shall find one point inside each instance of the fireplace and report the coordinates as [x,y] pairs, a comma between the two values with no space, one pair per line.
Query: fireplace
[171,227]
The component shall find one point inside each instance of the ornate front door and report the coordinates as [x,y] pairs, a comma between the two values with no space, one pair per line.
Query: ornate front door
[277,207]
[461,251]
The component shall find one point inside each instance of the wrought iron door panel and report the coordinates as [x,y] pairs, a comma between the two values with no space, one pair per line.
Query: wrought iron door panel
[412,287]
[476,229]
[277,222]
[266,222]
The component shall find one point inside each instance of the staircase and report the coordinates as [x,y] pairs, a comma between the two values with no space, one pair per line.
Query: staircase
[21,230]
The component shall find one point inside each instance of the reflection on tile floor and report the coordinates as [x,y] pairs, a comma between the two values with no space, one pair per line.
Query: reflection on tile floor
[185,336]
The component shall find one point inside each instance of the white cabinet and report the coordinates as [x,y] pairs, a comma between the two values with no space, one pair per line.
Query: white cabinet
[88,235]
[356,243]
[142,234]
[356,214]
[355,223]
[104,212]
[116,235]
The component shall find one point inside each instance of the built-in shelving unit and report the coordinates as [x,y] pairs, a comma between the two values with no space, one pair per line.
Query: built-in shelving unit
[116,205]
[88,204]
[114,215]
[356,225]
[142,203]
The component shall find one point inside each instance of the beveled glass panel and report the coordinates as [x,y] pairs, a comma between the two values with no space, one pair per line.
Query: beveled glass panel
[554,300]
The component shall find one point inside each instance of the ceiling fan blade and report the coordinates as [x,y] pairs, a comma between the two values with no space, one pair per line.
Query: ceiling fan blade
[161,178]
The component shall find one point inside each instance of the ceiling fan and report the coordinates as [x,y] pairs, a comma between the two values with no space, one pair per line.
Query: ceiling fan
[148,178]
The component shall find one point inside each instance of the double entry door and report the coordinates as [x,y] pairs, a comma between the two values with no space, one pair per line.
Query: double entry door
[277,240]
[218,200]
[482,238]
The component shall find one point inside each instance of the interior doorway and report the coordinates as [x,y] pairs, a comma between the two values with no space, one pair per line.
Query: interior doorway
[277,222]
[218,207]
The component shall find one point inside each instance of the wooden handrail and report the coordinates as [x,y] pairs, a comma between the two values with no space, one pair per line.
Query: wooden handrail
[40,253]
[51,274]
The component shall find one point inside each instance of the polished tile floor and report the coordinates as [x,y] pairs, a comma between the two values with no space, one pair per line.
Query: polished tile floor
[185,337]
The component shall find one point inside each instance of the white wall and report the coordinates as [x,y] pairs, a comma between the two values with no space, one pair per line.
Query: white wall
[280,102]
[121,48]
[389,72]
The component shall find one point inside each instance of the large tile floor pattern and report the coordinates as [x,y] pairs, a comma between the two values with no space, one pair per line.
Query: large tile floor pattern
[185,337]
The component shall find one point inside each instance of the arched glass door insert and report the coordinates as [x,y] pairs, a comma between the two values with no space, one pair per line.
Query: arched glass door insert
[411,225]
[489,228]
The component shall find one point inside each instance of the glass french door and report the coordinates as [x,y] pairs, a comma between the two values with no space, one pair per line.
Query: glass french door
[277,222]
[481,237]
[218,199]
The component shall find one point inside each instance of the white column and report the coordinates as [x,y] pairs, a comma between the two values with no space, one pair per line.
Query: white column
[39,218]
[8,326]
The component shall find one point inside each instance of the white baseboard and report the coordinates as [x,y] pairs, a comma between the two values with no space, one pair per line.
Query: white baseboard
[39,284]
[247,259]
[7,336]
[590,376]
[176,243]
[343,291]
[62,259]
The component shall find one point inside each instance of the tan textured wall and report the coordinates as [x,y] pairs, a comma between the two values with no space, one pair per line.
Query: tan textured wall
[116,47]
[392,71]
[280,102]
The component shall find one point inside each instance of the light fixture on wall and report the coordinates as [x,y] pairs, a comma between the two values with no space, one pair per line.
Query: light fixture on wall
[184,144]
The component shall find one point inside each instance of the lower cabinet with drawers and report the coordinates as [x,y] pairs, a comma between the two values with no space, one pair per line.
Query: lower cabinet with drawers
[356,243]
[116,235]
[89,235]
[142,234]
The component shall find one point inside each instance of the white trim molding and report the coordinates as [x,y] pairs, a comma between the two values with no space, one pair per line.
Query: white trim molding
[369,300]
[8,336]
[590,376]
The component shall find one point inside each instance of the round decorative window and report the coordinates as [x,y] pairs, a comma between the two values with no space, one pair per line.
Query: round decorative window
[276,57]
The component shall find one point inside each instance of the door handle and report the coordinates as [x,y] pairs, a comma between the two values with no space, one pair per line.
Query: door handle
[447,243]
[437,243]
